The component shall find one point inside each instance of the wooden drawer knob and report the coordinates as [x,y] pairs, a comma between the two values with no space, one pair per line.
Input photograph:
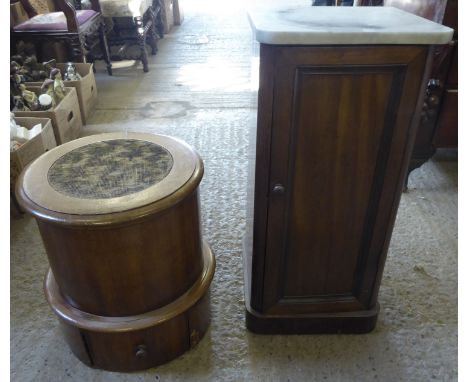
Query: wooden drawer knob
[141,351]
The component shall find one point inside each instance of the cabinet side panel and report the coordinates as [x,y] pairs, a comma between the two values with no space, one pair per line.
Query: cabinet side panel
[257,204]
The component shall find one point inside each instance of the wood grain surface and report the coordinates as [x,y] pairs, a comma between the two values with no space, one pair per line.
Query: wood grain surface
[140,341]
[330,161]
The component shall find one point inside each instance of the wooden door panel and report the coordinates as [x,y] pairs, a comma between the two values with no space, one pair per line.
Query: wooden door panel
[337,130]
[331,172]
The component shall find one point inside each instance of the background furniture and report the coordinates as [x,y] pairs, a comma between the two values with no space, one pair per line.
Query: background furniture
[338,106]
[332,2]
[133,22]
[167,14]
[439,119]
[129,277]
[177,12]
[80,30]
[438,127]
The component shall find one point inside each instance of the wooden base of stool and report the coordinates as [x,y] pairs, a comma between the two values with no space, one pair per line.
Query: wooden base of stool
[141,341]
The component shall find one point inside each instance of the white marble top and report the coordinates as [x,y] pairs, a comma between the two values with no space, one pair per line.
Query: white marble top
[322,25]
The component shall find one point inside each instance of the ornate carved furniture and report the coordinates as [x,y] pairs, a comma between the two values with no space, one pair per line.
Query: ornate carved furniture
[340,93]
[133,22]
[80,30]
[129,271]
[438,124]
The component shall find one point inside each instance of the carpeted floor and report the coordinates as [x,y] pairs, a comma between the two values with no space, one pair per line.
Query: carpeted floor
[198,89]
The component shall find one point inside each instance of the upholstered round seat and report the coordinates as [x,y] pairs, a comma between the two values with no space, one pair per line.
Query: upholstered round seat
[124,8]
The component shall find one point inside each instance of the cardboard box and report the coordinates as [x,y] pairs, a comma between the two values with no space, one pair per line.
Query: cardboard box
[65,117]
[86,88]
[33,148]
[17,14]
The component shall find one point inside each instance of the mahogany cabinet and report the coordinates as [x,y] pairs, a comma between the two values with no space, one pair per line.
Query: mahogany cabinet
[329,158]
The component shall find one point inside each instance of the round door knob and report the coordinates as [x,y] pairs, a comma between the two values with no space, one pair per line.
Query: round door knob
[278,189]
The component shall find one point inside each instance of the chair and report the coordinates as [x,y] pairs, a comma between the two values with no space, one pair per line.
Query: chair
[80,30]
[133,22]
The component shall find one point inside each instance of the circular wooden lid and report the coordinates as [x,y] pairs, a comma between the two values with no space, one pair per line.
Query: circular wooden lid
[109,174]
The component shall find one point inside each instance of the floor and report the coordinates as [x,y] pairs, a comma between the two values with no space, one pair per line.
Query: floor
[199,89]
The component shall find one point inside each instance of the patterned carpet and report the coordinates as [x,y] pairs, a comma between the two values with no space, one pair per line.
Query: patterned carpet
[199,89]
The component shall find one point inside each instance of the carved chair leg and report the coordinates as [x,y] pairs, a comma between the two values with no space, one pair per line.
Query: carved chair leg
[152,36]
[141,35]
[105,48]
[76,49]
[159,26]
[153,41]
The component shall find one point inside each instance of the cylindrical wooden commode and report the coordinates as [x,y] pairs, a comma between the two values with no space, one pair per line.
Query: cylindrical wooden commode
[129,271]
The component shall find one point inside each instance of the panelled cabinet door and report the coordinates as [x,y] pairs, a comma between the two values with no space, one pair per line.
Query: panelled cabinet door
[340,142]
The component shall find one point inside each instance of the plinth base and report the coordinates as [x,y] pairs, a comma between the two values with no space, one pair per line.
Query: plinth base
[325,323]
[362,321]
[141,341]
